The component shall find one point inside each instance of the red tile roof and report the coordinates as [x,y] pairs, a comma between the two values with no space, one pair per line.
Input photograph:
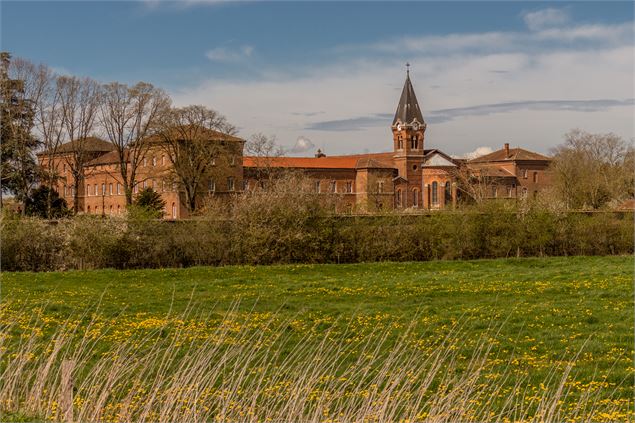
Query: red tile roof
[88,144]
[514,154]
[354,161]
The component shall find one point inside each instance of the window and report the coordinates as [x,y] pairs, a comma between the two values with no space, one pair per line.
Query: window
[448,192]
[333,186]
[211,185]
[154,161]
[103,189]
[136,188]
[524,193]
[145,162]
[64,167]
[118,209]
[232,161]
[118,188]
[173,211]
[535,177]
[110,189]
[174,186]
[380,186]
[162,160]
[245,185]
[88,210]
[73,191]
[110,211]
[96,189]
[317,186]
[435,193]
[349,187]
[154,184]
[398,198]
[230,183]
[525,173]
[145,184]
[414,142]
[509,192]
[494,191]
[399,142]
[163,186]
[415,198]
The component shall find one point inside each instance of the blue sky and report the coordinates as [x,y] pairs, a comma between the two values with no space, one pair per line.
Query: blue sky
[328,74]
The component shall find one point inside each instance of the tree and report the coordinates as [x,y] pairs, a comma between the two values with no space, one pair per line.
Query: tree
[46,203]
[42,88]
[151,201]
[475,182]
[128,114]
[590,170]
[79,103]
[264,152]
[193,137]
[18,171]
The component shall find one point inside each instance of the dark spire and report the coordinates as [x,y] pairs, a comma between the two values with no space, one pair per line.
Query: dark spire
[408,107]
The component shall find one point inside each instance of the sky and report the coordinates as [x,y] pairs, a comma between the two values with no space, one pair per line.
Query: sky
[328,75]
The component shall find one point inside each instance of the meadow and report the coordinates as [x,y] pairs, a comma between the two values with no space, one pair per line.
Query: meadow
[548,339]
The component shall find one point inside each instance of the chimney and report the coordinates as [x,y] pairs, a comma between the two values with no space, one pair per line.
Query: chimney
[506,150]
[319,154]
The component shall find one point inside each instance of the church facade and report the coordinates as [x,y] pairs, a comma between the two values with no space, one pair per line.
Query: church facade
[408,176]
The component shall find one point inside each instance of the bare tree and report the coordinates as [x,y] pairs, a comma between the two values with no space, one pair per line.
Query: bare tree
[590,170]
[264,152]
[79,98]
[193,138]
[128,115]
[45,95]
[476,182]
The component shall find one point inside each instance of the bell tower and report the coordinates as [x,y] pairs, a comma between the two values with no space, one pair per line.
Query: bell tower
[408,130]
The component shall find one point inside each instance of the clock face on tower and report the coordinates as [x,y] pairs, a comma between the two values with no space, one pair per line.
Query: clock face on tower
[415,126]
[399,127]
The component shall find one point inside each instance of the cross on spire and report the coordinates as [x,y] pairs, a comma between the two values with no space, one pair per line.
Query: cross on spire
[407,69]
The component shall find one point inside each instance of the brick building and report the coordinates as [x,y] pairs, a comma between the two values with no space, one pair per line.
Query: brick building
[408,176]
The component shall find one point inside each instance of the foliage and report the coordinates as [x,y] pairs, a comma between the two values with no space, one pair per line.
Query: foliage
[18,170]
[46,203]
[590,170]
[151,201]
[523,339]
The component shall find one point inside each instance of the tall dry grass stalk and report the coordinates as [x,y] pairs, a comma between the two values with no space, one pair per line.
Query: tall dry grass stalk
[268,375]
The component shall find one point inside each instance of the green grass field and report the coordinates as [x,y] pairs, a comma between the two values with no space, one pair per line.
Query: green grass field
[539,313]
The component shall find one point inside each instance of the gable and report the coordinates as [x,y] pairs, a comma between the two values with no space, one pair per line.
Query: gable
[438,160]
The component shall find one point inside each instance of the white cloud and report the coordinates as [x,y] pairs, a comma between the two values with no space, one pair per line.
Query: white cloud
[545,18]
[302,145]
[534,71]
[478,152]
[226,54]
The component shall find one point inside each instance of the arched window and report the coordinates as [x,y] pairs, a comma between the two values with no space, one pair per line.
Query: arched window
[524,195]
[435,193]
[173,211]
[109,189]
[535,177]
[118,209]
[448,192]
[154,161]
[414,142]
[399,142]
[398,198]
[415,198]
[96,189]
[110,211]
[88,210]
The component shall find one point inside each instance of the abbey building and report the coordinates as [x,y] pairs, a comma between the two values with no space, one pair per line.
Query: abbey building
[412,174]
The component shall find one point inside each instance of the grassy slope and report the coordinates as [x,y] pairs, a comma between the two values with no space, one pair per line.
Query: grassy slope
[548,308]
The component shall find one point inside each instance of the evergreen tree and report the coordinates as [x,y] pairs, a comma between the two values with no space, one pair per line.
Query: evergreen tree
[150,200]
[18,169]
[37,204]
